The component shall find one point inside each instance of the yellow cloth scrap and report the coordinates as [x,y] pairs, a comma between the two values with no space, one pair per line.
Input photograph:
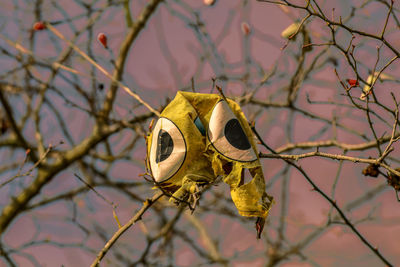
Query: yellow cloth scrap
[198,160]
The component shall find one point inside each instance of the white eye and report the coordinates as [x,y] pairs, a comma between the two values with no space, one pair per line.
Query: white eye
[167,151]
[227,135]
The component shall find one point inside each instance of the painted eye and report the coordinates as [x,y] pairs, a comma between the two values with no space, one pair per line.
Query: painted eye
[227,135]
[167,151]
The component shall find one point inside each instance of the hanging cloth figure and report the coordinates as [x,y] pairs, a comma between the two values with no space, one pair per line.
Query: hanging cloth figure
[200,137]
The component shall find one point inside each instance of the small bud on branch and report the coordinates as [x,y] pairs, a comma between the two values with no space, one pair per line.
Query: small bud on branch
[39,26]
[102,38]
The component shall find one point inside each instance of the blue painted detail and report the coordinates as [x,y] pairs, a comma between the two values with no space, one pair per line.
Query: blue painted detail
[200,126]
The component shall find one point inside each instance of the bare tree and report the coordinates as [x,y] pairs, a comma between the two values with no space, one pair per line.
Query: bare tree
[82,80]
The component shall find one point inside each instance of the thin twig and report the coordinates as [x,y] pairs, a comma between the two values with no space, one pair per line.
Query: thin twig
[111,203]
[28,172]
[393,139]
[331,201]
[100,68]
[138,216]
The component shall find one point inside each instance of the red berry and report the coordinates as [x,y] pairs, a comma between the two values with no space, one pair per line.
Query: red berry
[38,26]
[102,39]
[353,82]
[246,28]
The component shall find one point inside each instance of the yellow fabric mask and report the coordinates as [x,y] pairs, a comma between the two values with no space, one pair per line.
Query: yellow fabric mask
[200,137]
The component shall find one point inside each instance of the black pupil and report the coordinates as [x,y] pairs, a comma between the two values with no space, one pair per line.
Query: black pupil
[235,135]
[165,145]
